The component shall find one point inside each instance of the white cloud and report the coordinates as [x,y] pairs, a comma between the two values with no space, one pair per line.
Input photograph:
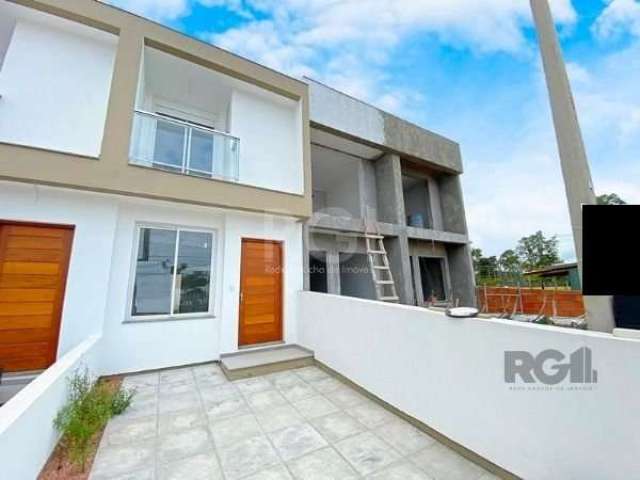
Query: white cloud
[619,17]
[349,43]
[158,10]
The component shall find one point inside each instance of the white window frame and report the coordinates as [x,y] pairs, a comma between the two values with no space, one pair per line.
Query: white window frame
[129,317]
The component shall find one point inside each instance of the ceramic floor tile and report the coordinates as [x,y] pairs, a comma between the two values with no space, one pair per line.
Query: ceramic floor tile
[226,408]
[177,445]
[204,466]
[265,400]
[130,430]
[311,373]
[337,426]
[297,391]
[279,417]
[367,453]
[123,459]
[370,414]
[314,407]
[346,397]
[297,440]
[403,436]
[234,429]
[278,472]
[181,420]
[441,462]
[247,457]
[400,471]
[325,464]
[253,385]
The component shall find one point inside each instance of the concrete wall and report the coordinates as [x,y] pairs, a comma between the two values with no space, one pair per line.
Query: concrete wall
[27,434]
[55,84]
[448,373]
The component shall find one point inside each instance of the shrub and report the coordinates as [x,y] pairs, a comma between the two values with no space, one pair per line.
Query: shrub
[90,405]
[121,400]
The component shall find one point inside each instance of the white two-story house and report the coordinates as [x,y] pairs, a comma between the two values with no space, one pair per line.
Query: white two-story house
[152,191]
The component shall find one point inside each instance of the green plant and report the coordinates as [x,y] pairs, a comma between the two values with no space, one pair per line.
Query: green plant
[121,400]
[90,404]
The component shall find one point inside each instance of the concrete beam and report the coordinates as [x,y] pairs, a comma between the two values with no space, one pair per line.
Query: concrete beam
[367,124]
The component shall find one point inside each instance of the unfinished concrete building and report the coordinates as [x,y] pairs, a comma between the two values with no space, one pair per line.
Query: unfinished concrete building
[385,191]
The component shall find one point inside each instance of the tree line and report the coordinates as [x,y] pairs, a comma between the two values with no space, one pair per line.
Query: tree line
[532,252]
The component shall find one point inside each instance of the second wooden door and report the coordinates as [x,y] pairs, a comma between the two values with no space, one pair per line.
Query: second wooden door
[260,292]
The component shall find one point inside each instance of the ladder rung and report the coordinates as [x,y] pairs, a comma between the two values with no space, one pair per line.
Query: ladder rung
[375,237]
[384,282]
[389,299]
[381,267]
[377,252]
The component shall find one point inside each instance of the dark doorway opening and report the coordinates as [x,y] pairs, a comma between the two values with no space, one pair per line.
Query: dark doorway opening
[318,272]
[432,278]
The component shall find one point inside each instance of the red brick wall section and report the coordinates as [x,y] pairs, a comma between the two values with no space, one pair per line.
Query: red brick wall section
[568,303]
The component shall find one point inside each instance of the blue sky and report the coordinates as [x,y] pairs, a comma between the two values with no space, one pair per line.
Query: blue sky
[467,69]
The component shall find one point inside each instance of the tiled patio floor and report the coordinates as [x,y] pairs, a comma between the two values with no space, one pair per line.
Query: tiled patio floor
[191,423]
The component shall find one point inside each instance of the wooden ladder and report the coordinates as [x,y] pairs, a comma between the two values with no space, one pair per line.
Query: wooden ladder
[385,287]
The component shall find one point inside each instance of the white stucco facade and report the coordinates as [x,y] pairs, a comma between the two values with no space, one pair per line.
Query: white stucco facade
[98,296]
[55,83]
[270,133]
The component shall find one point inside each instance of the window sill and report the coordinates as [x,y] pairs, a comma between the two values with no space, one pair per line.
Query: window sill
[164,319]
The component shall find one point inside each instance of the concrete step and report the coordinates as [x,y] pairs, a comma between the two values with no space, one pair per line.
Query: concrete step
[260,361]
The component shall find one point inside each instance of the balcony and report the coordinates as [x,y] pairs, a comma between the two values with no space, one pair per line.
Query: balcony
[171,144]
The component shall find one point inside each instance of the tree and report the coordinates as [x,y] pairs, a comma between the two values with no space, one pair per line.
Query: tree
[510,262]
[476,256]
[487,267]
[609,199]
[536,251]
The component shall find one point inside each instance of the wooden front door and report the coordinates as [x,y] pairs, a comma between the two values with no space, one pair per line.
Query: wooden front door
[260,292]
[33,272]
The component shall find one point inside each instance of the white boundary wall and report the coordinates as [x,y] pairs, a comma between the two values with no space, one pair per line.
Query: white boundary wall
[449,374]
[27,434]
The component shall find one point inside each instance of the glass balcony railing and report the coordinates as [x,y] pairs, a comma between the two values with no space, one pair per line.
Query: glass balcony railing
[181,147]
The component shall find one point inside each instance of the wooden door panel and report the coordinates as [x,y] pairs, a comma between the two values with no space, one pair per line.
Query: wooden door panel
[33,269]
[261,292]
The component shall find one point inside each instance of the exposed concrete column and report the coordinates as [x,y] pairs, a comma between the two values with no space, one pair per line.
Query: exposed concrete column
[389,189]
[434,204]
[461,273]
[399,260]
[452,204]
[333,271]
[573,156]
[367,191]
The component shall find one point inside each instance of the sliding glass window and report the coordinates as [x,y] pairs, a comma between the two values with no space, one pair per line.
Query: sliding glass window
[173,272]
